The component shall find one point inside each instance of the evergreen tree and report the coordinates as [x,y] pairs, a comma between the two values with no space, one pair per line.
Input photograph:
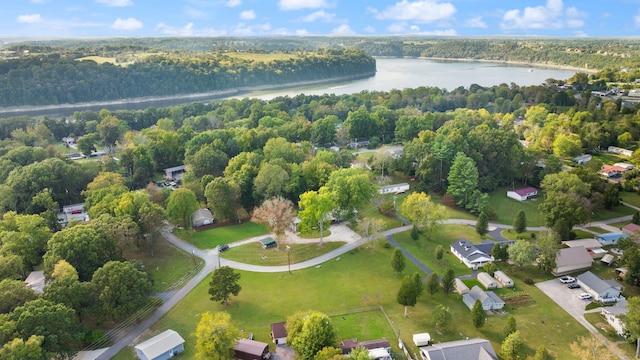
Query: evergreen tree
[407,293]
[478,315]
[482,225]
[439,252]
[448,281]
[398,261]
[433,284]
[636,218]
[415,233]
[520,222]
[510,326]
[417,282]
[542,353]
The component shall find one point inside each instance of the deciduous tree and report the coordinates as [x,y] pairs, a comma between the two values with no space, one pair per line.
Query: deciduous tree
[276,213]
[370,228]
[224,283]
[14,293]
[309,332]
[18,349]
[442,317]
[513,347]
[510,327]
[439,252]
[548,247]
[350,188]
[422,212]
[433,284]
[522,253]
[315,208]
[222,198]
[181,205]
[121,289]
[632,320]
[215,336]
[591,348]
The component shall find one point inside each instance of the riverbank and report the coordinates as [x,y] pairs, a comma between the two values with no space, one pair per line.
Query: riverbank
[180,98]
[515,63]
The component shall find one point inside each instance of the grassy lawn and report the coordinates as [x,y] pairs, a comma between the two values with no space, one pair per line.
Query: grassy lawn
[370,210]
[507,208]
[168,265]
[631,198]
[600,323]
[581,234]
[342,286]
[314,234]
[210,238]
[512,235]
[615,212]
[453,212]
[600,230]
[254,253]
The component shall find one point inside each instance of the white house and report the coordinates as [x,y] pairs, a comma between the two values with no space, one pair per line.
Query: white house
[503,278]
[202,217]
[582,159]
[421,339]
[624,165]
[174,173]
[474,256]
[487,280]
[161,347]
[394,189]
[601,290]
[523,194]
[618,150]
[573,259]
[593,246]
[614,315]
[488,299]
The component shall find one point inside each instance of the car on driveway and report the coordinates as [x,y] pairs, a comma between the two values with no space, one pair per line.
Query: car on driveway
[223,248]
[573,286]
[567,279]
[584,296]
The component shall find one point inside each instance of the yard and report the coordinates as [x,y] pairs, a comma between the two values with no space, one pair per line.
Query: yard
[631,198]
[342,286]
[210,238]
[253,253]
[506,208]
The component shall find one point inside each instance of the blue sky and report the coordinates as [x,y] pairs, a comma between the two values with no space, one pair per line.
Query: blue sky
[90,18]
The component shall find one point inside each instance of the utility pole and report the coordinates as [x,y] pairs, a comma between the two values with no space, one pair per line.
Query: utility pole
[289,257]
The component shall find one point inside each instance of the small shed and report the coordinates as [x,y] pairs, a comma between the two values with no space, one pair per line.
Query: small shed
[35,281]
[487,280]
[523,194]
[161,347]
[630,229]
[607,259]
[268,243]
[582,159]
[421,339]
[610,238]
[279,333]
[503,278]
[461,287]
[174,173]
[247,349]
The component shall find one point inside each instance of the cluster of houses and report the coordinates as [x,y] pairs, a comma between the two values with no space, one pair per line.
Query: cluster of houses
[615,171]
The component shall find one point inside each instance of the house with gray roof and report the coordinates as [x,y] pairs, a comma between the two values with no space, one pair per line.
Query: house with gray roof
[614,315]
[161,347]
[474,256]
[601,290]
[571,260]
[488,299]
[469,349]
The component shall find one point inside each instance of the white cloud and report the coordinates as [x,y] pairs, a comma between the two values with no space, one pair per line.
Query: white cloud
[186,30]
[405,28]
[29,19]
[233,3]
[636,19]
[302,4]
[242,29]
[115,3]
[39,1]
[424,11]
[476,22]
[319,15]
[302,32]
[550,16]
[248,15]
[343,29]
[126,24]
[370,29]
[194,13]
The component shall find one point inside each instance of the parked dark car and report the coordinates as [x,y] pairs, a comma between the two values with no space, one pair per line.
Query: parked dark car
[223,248]
[573,286]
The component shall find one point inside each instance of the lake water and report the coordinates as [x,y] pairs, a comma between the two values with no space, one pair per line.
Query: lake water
[391,74]
[413,73]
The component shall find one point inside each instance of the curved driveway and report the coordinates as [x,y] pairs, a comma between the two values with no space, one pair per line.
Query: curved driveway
[211,258]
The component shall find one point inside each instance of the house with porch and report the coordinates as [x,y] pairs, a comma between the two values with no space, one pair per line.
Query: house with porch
[601,290]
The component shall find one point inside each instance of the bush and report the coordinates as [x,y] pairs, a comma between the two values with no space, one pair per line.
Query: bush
[533,235]
[95,336]
[528,281]
[491,214]
[572,235]
[387,245]
[386,208]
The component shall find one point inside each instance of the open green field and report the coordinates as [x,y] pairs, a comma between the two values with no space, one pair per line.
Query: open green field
[342,286]
[506,208]
[210,238]
[253,253]
[511,234]
[615,212]
[168,265]
[370,210]
[631,198]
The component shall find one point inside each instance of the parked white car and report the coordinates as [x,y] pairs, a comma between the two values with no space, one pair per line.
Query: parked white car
[584,296]
[567,279]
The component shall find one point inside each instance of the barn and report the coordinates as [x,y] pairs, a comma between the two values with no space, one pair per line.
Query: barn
[487,281]
[503,278]
[161,347]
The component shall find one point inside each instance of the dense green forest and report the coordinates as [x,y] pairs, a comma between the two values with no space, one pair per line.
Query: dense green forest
[46,77]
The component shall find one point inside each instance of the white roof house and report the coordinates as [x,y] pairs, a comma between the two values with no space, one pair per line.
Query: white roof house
[503,278]
[469,349]
[488,299]
[474,256]
[165,345]
[601,290]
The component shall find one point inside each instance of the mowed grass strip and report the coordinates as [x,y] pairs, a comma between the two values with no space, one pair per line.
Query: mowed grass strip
[253,253]
[210,238]
[167,265]
[506,208]
[364,278]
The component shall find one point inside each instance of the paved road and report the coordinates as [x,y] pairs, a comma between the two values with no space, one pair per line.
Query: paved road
[339,232]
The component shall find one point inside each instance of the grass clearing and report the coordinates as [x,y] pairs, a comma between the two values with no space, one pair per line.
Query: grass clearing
[210,238]
[506,208]
[370,210]
[451,212]
[168,265]
[253,253]
[511,234]
[342,286]
[615,212]
[631,198]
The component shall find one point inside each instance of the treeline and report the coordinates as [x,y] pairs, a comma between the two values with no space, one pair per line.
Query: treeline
[52,79]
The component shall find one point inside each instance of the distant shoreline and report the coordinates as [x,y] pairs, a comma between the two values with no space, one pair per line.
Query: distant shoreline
[519,63]
[49,109]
